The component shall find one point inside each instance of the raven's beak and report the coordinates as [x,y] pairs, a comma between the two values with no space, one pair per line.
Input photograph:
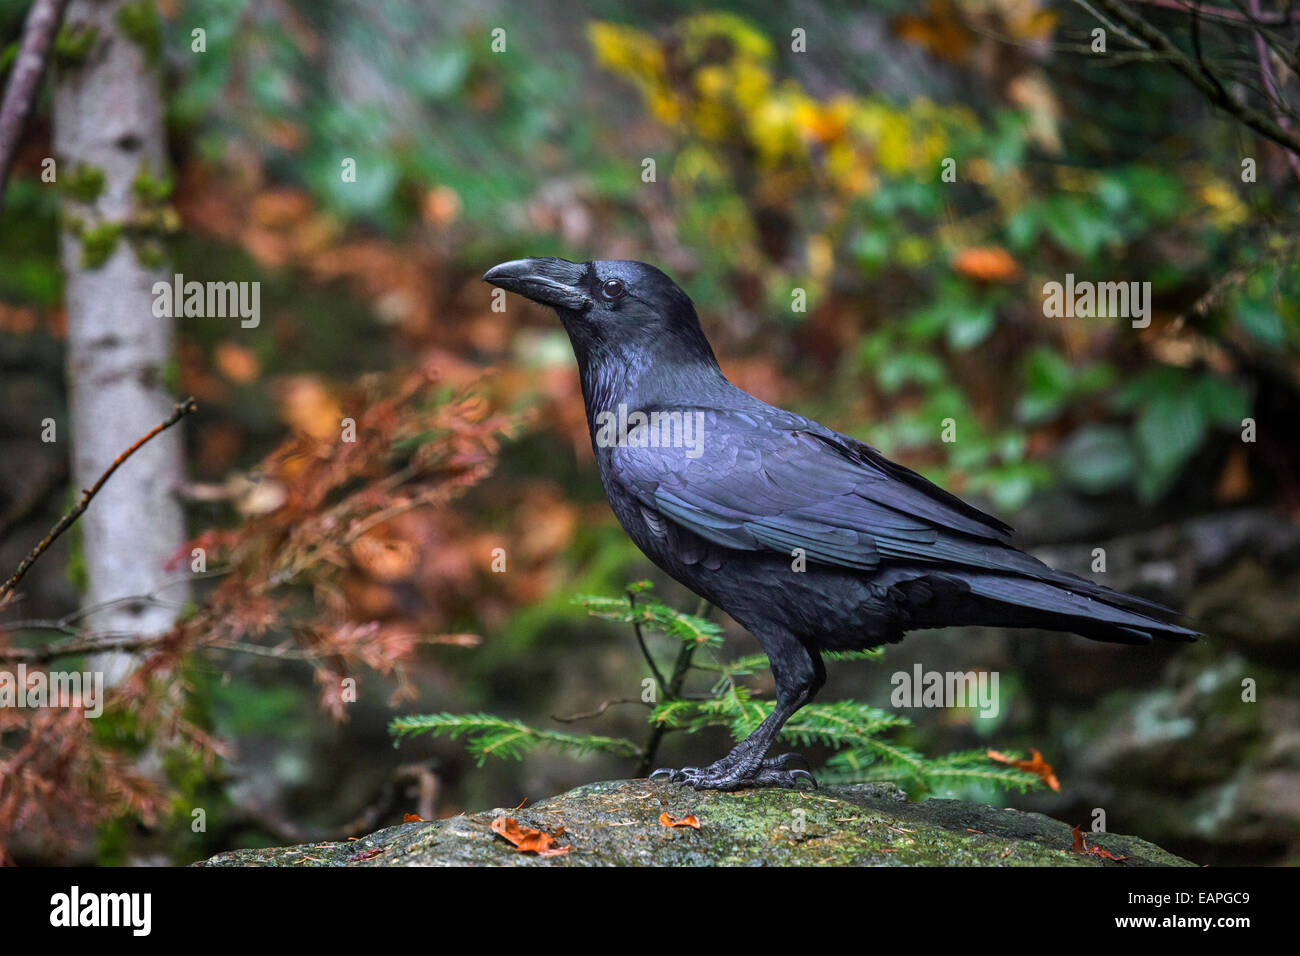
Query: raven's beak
[554,282]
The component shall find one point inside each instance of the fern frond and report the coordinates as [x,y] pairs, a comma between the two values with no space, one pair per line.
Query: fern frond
[839,724]
[653,616]
[872,654]
[489,736]
[974,766]
[733,710]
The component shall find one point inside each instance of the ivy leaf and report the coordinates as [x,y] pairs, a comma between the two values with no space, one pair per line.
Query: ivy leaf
[1169,429]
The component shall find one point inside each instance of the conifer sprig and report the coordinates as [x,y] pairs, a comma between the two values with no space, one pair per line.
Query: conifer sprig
[862,737]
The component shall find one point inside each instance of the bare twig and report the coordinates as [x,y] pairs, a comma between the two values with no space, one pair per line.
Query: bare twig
[180,411]
[605,705]
[640,639]
[674,688]
[1209,86]
[20,93]
[1270,84]
[95,644]
[1219,13]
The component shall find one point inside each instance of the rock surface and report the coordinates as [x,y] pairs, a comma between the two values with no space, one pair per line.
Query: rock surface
[617,823]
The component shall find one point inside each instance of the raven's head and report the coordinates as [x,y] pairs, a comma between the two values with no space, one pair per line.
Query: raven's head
[613,309]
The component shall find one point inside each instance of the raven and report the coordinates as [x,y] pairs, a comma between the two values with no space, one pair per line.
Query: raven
[812,540]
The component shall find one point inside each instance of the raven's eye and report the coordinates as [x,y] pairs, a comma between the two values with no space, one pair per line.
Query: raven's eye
[612,289]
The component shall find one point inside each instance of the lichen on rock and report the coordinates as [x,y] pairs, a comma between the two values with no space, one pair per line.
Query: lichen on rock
[617,823]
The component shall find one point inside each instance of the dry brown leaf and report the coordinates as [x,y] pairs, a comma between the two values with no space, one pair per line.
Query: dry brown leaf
[1035,765]
[690,820]
[940,30]
[527,840]
[1234,481]
[236,362]
[386,559]
[1081,846]
[307,406]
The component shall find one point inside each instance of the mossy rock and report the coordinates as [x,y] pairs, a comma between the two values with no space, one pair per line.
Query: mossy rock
[617,823]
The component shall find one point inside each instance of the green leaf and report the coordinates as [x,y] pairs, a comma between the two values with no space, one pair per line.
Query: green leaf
[900,368]
[1076,225]
[971,326]
[1222,400]
[1098,458]
[1169,429]
[1049,381]
[1261,322]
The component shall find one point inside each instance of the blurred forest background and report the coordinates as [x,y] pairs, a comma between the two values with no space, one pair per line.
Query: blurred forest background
[776,169]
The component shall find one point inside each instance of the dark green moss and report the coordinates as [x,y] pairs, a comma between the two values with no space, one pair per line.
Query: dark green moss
[85,183]
[617,823]
[150,190]
[149,253]
[98,243]
[72,45]
[140,22]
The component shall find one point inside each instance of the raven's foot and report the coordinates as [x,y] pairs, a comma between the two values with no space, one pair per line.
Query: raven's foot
[726,775]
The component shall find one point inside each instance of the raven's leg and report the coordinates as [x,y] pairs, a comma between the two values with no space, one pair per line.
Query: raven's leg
[799,674]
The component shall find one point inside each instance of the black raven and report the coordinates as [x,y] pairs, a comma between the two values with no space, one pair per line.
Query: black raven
[811,540]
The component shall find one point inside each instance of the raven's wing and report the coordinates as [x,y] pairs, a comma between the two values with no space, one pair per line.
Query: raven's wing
[779,482]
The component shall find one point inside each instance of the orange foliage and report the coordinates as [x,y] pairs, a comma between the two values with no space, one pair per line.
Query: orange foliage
[1035,765]
[526,840]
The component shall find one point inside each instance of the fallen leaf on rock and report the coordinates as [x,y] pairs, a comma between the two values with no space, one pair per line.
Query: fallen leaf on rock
[527,840]
[1036,765]
[690,820]
[1081,846]
[412,818]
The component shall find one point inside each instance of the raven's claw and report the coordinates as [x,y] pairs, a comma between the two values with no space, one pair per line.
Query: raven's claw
[784,759]
[722,775]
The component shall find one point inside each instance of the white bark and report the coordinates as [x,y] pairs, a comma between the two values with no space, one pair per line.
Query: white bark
[108,115]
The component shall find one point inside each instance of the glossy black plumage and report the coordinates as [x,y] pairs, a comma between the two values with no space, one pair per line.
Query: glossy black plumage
[754,491]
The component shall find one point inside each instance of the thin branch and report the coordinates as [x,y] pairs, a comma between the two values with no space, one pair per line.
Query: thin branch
[640,639]
[1270,84]
[179,411]
[1156,40]
[96,644]
[674,689]
[1231,16]
[605,705]
[25,78]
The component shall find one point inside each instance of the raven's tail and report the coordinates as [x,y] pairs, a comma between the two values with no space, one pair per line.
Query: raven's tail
[1064,602]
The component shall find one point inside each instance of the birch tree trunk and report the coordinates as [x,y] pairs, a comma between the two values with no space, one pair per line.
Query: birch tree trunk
[108,139]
